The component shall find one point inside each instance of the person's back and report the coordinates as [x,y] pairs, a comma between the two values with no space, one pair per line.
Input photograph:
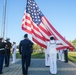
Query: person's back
[25,45]
[8,47]
[52,46]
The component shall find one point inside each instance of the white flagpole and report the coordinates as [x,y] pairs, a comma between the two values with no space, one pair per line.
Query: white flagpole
[3,19]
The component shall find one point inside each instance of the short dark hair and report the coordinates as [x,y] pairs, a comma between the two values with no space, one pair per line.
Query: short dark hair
[26,35]
[51,38]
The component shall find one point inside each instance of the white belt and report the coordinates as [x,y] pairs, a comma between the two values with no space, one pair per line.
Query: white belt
[1,49]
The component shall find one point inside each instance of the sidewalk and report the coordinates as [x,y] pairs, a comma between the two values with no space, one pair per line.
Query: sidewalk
[38,68]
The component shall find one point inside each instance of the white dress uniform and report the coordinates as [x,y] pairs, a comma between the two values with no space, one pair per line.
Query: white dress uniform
[14,53]
[47,63]
[61,55]
[53,57]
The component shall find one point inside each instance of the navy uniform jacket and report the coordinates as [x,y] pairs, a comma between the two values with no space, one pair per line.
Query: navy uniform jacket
[25,47]
[8,47]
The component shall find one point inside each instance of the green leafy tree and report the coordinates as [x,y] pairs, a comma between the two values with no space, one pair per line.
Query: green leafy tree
[41,48]
[74,43]
[37,47]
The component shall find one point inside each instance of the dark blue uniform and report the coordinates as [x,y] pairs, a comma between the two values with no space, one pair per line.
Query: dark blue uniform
[2,52]
[25,51]
[66,55]
[31,53]
[7,53]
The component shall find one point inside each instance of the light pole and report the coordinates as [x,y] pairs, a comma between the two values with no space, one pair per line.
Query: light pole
[4,18]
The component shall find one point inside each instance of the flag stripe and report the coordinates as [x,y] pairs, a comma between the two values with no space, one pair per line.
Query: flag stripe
[38,42]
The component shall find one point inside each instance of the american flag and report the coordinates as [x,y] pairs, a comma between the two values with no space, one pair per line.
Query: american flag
[35,23]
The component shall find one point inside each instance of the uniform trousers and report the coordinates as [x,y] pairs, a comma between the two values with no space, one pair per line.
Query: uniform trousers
[1,62]
[53,63]
[61,55]
[29,59]
[66,55]
[7,58]
[46,59]
[25,63]
[14,57]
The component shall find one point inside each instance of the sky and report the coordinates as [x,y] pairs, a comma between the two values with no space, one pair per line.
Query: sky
[60,13]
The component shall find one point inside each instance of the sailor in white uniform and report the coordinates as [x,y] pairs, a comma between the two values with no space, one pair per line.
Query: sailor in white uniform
[14,52]
[61,55]
[53,55]
[47,63]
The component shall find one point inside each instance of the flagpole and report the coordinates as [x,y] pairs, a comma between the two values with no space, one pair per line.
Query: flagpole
[3,19]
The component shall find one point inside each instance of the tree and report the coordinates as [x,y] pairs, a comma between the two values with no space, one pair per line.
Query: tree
[36,47]
[74,43]
[41,48]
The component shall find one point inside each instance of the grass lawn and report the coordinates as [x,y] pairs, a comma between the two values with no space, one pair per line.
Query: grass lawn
[38,55]
[34,55]
[71,56]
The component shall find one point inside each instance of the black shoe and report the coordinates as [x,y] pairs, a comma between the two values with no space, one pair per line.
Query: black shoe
[1,72]
[25,74]
[66,61]
[47,66]
[6,66]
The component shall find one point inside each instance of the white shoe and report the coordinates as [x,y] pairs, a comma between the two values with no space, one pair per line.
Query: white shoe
[62,60]
[12,62]
[59,59]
